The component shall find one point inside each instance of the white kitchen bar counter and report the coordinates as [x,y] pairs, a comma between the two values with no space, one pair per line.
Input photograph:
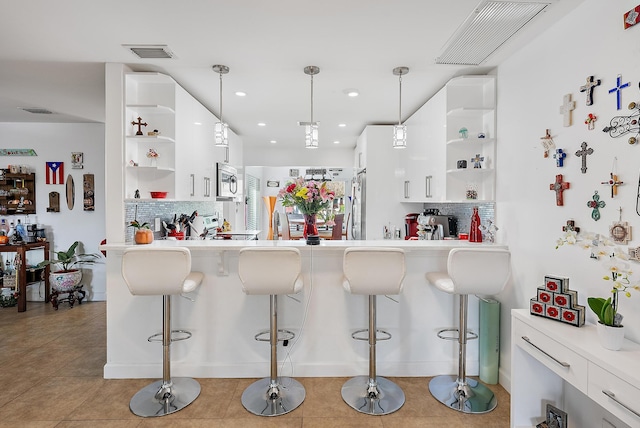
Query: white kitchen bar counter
[224,320]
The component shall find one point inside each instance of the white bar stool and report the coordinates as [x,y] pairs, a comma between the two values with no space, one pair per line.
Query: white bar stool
[153,271]
[482,271]
[373,271]
[272,271]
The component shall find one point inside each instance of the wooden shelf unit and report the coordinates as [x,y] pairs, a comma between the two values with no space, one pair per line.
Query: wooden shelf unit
[12,190]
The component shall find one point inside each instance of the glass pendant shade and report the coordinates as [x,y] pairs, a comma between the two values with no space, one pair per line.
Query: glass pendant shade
[311,136]
[222,134]
[399,136]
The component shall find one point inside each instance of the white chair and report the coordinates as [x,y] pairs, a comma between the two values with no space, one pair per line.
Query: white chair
[154,271]
[481,271]
[272,271]
[373,271]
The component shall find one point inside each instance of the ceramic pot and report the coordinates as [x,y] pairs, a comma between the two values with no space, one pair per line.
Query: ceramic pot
[610,337]
[143,236]
[65,281]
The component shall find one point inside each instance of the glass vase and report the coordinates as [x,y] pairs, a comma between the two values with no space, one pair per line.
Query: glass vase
[310,226]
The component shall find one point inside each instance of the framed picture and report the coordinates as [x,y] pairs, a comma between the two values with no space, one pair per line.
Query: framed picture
[273,183]
[556,418]
[77,158]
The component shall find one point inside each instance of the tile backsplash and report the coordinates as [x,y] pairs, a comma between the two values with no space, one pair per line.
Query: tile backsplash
[462,212]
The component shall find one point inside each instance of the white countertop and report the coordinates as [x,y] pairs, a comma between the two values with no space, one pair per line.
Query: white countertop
[208,245]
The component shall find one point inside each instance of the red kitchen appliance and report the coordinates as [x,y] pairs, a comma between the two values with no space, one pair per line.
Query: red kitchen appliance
[411,225]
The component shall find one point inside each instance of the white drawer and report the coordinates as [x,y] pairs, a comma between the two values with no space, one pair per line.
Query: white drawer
[623,397]
[558,358]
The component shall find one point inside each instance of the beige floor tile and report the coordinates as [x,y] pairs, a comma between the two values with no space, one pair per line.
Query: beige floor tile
[99,424]
[30,424]
[357,422]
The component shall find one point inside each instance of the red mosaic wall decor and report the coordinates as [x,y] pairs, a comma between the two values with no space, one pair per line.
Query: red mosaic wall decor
[555,301]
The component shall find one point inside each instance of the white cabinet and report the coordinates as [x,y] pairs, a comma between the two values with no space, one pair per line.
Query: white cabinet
[556,363]
[471,103]
[421,173]
[185,165]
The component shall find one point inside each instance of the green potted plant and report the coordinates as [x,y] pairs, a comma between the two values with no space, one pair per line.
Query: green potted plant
[143,234]
[610,328]
[68,275]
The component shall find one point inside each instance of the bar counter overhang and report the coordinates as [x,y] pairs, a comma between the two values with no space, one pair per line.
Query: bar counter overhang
[224,320]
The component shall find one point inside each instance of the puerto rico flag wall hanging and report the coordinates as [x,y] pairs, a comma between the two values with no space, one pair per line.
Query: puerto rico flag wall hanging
[55,173]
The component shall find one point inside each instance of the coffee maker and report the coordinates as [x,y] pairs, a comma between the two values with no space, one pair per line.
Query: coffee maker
[411,225]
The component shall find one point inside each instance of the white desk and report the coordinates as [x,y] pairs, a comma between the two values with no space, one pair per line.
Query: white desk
[556,363]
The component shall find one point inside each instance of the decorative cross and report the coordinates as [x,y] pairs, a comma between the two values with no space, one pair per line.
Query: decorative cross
[559,157]
[590,121]
[617,90]
[566,108]
[139,124]
[595,204]
[620,231]
[614,183]
[588,88]
[571,226]
[621,125]
[476,161]
[547,143]
[559,186]
[584,152]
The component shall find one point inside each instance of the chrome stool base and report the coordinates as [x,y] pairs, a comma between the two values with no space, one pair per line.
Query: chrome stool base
[150,401]
[385,397]
[469,397]
[288,395]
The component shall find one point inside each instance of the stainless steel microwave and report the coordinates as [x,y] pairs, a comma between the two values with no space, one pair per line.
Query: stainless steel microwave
[227,182]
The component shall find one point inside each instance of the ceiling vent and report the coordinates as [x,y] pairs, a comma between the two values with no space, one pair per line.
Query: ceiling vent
[151,51]
[489,26]
[36,110]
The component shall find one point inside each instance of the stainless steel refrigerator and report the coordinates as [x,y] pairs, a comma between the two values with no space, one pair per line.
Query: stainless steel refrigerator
[359,206]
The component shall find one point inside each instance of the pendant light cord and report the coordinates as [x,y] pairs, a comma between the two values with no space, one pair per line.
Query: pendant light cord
[221,98]
[400,102]
[312,99]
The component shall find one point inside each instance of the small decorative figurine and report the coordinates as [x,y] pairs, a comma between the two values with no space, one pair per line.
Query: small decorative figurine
[595,204]
[464,133]
[590,121]
[481,135]
[566,108]
[617,89]
[571,227]
[140,124]
[472,191]
[547,143]
[137,194]
[489,231]
[559,157]
[559,187]
[589,87]
[620,231]
[477,161]
[583,152]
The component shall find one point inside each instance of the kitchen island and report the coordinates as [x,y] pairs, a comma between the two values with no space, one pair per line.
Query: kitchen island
[224,320]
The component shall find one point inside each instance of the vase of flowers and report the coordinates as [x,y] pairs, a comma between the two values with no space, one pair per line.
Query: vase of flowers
[310,197]
[610,328]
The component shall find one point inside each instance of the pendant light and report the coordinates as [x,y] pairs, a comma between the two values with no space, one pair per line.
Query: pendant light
[311,127]
[221,128]
[400,130]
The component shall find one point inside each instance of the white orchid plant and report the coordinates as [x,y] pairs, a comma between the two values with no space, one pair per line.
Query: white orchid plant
[619,271]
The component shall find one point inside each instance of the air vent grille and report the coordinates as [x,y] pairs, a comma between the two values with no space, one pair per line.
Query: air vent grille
[488,27]
[36,110]
[150,51]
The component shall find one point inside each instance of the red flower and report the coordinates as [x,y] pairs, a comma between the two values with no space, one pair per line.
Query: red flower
[290,187]
[569,316]
[561,300]
[545,297]
[552,286]
[537,307]
[552,312]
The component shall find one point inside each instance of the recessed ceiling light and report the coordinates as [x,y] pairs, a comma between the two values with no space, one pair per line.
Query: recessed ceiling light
[342,125]
[241,94]
[273,141]
[262,124]
[197,123]
[336,142]
[350,92]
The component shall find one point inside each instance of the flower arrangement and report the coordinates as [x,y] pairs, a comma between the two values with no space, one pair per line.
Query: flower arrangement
[152,154]
[310,197]
[619,272]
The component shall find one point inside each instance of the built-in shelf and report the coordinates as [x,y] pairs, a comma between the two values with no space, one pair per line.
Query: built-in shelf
[466,142]
[151,108]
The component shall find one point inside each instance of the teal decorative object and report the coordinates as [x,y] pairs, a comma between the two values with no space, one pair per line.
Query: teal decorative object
[595,204]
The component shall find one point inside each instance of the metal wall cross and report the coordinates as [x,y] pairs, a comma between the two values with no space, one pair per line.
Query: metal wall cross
[617,90]
[477,161]
[559,187]
[571,227]
[583,153]
[566,108]
[595,204]
[588,88]
[614,183]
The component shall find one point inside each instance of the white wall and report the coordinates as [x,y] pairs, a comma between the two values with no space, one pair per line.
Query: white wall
[531,85]
[55,142]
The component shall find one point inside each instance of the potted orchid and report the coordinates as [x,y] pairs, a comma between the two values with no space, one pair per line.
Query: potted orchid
[310,197]
[610,328]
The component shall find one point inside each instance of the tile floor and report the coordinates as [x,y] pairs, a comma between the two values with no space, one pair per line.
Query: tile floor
[51,376]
